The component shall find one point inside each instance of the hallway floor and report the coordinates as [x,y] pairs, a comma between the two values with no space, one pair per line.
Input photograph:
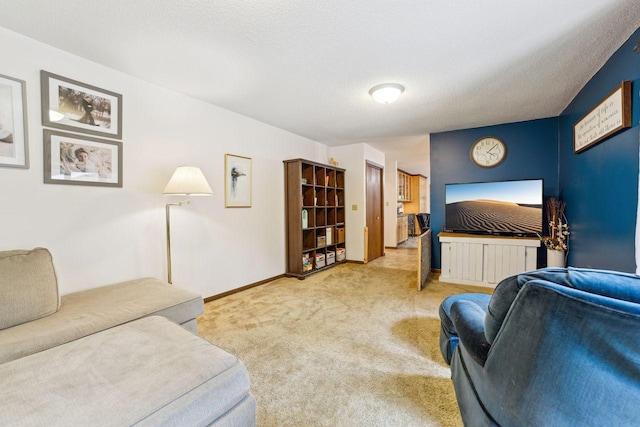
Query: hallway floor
[400,258]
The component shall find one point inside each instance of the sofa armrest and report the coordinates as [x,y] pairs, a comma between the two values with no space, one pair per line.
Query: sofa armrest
[468,319]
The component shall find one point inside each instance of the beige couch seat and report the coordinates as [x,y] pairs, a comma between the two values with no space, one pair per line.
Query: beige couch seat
[147,372]
[87,312]
[118,355]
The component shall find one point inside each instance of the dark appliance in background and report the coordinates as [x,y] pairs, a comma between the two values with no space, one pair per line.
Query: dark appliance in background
[424,221]
[411,224]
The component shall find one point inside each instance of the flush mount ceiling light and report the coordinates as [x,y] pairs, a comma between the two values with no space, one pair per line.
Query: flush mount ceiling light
[386,93]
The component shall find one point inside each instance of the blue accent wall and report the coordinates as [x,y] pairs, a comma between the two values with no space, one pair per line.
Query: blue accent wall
[532,152]
[600,184]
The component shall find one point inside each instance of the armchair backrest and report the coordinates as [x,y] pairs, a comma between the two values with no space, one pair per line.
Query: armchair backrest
[616,285]
[568,351]
[28,286]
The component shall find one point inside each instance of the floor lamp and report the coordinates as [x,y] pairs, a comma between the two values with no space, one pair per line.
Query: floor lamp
[186,181]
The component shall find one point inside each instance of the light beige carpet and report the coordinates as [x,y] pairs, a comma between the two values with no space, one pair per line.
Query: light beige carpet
[355,345]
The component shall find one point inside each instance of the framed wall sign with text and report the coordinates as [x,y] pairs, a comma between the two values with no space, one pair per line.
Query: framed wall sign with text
[610,115]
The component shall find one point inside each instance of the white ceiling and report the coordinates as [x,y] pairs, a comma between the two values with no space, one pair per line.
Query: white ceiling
[307,66]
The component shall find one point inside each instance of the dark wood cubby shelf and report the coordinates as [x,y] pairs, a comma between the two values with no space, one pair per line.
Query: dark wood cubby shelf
[318,191]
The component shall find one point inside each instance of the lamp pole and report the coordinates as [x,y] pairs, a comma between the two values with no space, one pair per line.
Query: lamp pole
[185,181]
[168,214]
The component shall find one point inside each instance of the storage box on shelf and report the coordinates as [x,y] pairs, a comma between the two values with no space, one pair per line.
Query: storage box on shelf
[315,215]
[307,264]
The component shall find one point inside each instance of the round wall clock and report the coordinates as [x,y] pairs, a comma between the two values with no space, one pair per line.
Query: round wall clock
[488,152]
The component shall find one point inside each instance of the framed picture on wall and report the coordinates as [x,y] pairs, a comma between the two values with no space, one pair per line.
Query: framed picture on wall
[237,181]
[14,144]
[607,117]
[79,160]
[79,107]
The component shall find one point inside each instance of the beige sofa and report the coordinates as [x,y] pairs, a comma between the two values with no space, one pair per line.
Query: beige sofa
[113,355]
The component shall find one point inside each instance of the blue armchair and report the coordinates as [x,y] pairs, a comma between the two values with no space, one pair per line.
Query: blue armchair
[551,347]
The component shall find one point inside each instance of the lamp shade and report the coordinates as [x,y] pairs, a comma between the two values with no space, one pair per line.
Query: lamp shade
[188,181]
[386,93]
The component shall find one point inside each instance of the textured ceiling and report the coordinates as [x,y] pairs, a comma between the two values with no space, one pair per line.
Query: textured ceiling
[307,66]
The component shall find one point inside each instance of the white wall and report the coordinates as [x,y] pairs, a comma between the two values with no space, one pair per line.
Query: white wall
[103,235]
[428,142]
[353,158]
[390,204]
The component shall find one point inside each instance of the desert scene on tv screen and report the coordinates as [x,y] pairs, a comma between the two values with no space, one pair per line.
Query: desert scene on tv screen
[512,209]
[492,215]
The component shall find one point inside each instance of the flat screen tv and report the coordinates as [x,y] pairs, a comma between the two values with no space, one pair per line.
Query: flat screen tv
[510,208]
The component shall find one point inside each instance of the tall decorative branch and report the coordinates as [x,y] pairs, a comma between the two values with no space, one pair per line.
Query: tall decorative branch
[558,228]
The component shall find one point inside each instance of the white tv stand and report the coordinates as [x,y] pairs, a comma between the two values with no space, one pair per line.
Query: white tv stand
[470,259]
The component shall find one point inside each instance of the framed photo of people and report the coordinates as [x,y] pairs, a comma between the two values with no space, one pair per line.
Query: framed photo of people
[80,107]
[14,144]
[81,160]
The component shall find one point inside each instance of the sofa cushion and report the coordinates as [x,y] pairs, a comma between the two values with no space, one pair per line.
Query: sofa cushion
[87,312]
[147,372]
[28,286]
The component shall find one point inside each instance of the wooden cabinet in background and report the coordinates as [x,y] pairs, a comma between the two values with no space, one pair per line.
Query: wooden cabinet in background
[403,229]
[419,193]
[485,260]
[315,216]
[404,186]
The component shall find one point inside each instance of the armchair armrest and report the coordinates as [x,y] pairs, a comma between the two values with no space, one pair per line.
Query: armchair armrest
[468,319]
